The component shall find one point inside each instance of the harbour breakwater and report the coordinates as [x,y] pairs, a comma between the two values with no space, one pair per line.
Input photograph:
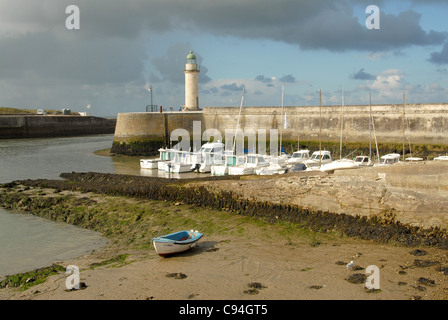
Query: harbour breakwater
[36,126]
[417,128]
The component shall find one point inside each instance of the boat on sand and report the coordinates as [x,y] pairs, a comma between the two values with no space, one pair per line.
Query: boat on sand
[176,242]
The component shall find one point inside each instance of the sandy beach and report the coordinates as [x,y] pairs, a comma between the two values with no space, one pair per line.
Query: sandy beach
[239,258]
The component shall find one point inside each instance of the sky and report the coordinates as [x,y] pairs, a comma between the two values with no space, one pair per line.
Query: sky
[121,48]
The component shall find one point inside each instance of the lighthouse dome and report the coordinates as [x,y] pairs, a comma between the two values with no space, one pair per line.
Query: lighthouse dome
[191,56]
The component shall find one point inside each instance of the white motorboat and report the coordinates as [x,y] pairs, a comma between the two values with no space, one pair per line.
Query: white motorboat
[363,161]
[252,162]
[209,154]
[441,158]
[299,156]
[165,155]
[180,163]
[318,159]
[389,159]
[230,160]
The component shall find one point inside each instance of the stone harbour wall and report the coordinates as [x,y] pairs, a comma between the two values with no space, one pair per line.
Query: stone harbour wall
[422,124]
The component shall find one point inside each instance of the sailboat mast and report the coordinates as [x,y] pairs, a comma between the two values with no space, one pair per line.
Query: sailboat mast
[281,128]
[320,128]
[404,98]
[342,125]
[238,122]
[370,126]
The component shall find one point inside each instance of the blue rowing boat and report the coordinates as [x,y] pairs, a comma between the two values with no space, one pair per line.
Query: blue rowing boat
[176,242]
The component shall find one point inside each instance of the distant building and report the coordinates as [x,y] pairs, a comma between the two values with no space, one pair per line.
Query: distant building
[66,111]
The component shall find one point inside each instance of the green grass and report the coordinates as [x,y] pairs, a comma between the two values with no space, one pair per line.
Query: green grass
[28,279]
[6,110]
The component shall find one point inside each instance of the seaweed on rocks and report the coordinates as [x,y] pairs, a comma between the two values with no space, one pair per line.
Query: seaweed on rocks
[383,229]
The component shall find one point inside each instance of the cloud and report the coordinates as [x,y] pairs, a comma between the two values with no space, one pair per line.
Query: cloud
[263,79]
[361,75]
[387,86]
[232,87]
[288,79]
[440,57]
[113,48]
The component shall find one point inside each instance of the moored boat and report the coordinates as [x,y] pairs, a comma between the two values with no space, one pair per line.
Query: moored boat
[165,155]
[230,160]
[252,162]
[318,159]
[389,159]
[342,164]
[209,154]
[180,163]
[299,156]
[441,158]
[363,161]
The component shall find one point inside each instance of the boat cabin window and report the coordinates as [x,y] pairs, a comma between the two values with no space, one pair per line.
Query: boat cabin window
[251,159]
[299,155]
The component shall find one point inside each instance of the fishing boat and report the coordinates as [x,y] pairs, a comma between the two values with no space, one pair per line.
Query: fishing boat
[165,155]
[176,242]
[252,162]
[363,161]
[299,156]
[209,154]
[230,160]
[389,159]
[180,163]
[318,159]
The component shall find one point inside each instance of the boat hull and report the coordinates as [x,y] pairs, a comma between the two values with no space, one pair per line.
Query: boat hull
[176,242]
[149,163]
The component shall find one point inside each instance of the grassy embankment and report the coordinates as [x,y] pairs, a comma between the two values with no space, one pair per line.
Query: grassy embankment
[6,110]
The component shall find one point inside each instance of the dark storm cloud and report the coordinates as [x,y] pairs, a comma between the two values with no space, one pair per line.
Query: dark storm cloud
[110,47]
[319,24]
[440,57]
[362,75]
[90,62]
[109,44]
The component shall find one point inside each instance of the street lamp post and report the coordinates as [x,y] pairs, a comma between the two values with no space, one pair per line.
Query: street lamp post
[150,90]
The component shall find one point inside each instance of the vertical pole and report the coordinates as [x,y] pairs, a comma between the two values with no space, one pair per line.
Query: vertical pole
[403,124]
[320,128]
[370,127]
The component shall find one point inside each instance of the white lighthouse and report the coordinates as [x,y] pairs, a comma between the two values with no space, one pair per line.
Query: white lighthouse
[191,83]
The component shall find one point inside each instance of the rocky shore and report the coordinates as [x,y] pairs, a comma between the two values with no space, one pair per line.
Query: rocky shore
[278,237]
